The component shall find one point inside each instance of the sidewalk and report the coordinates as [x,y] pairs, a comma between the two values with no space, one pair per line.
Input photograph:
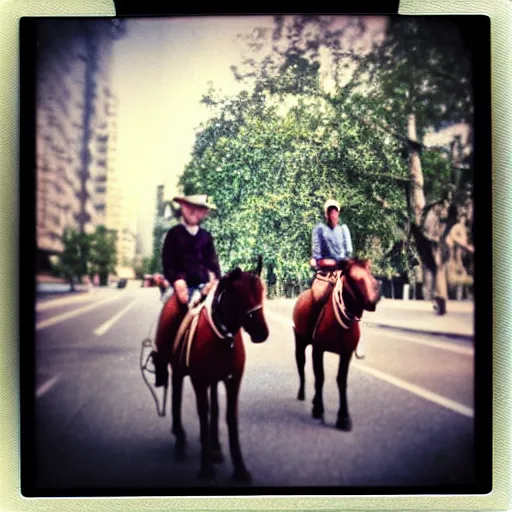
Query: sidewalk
[413,316]
[419,316]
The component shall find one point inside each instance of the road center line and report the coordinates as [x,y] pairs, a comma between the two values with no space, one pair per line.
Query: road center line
[417,390]
[75,312]
[46,386]
[64,301]
[102,329]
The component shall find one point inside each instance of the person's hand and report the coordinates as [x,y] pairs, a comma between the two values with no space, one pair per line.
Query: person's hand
[312,263]
[212,276]
[181,289]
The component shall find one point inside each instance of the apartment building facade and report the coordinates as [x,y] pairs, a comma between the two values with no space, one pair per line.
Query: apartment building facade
[72,128]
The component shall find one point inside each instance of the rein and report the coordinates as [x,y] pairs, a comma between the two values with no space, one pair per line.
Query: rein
[144,366]
[344,317]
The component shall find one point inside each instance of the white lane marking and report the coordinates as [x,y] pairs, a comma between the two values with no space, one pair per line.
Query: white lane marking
[75,312]
[64,301]
[46,386]
[418,390]
[412,338]
[102,329]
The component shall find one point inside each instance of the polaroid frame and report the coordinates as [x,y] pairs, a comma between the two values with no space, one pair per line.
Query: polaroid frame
[499,496]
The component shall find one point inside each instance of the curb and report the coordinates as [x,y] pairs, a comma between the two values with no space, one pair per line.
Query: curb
[457,336]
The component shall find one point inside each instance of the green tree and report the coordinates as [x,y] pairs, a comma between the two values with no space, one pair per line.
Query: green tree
[270,171]
[71,262]
[416,86]
[102,254]
[406,85]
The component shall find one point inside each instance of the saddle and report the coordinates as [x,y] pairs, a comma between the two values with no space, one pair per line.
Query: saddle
[185,335]
[322,285]
[188,327]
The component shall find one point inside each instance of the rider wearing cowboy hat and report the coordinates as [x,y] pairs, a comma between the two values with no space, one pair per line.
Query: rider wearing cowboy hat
[190,265]
[189,258]
[330,244]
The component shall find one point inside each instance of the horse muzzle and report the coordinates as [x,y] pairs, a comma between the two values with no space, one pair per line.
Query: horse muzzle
[259,337]
[371,305]
[256,326]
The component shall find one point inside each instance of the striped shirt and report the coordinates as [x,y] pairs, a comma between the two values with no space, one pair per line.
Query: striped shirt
[331,243]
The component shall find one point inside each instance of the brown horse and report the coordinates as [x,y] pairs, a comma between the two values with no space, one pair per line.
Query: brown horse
[332,325]
[216,353]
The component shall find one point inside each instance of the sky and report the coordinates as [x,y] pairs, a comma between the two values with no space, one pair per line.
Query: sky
[160,70]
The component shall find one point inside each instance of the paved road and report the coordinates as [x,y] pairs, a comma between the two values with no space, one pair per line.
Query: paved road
[410,400]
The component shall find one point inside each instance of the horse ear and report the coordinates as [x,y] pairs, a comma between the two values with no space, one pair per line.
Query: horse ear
[234,275]
[344,264]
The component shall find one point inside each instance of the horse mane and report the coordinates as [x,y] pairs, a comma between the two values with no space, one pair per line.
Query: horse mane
[363,263]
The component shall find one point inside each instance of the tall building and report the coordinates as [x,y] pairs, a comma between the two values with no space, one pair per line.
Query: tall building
[73,70]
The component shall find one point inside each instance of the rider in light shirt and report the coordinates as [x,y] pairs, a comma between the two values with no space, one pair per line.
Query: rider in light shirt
[330,240]
[331,243]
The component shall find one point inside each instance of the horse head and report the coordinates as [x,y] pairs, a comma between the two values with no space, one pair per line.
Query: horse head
[243,295]
[360,281]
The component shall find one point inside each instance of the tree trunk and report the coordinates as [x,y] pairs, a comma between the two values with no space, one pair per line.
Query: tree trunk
[416,173]
[429,235]
[428,283]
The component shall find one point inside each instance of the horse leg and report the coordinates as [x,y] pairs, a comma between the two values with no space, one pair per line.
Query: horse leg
[177,427]
[207,470]
[300,357]
[318,369]
[343,422]
[214,426]
[240,471]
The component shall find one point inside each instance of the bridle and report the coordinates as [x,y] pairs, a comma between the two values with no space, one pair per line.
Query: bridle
[216,324]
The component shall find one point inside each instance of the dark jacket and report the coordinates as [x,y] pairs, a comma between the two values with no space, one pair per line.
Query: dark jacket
[189,257]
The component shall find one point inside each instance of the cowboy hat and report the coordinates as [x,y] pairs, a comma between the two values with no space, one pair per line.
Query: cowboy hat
[200,200]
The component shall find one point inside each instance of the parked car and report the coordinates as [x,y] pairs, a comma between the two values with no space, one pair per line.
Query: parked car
[122,282]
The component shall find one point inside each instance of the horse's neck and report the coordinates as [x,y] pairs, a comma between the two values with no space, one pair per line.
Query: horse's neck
[223,312]
[349,299]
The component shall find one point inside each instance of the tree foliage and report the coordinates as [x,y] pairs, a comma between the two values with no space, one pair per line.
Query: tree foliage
[72,264]
[271,155]
[87,254]
[102,253]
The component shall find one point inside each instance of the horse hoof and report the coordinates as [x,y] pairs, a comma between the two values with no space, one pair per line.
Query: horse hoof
[344,424]
[242,475]
[317,414]
[207,473]
[301,395]
[217,457]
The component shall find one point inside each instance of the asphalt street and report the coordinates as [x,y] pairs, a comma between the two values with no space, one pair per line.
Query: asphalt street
[411,402]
